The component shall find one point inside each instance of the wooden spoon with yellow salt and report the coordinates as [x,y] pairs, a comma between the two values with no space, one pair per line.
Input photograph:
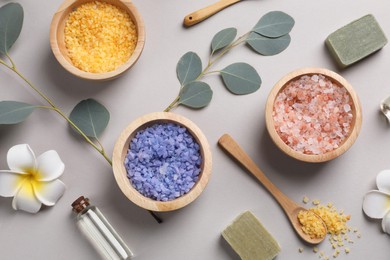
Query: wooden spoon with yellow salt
[313,229]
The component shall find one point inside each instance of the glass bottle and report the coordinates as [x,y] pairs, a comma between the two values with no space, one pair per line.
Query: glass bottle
[99,232]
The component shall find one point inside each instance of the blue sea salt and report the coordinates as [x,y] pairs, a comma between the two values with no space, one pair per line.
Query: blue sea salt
[163,161]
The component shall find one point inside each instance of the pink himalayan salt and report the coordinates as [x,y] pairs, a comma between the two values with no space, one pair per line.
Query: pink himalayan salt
[313,115]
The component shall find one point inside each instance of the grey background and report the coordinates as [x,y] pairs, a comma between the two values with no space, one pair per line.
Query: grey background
[194,231]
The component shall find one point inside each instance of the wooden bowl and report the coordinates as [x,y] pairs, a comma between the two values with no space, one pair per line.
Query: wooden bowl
[57,38]
[122,146]
[355,108]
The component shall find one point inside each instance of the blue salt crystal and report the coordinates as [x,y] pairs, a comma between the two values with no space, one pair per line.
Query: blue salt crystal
[163,161]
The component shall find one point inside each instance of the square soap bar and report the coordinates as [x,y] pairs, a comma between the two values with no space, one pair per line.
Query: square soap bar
[251,241]
[356,40]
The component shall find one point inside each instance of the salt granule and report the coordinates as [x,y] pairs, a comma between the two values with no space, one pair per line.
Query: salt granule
[163,161]
[313,115]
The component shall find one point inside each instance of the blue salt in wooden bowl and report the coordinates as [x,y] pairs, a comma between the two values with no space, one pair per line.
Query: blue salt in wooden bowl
[121,149]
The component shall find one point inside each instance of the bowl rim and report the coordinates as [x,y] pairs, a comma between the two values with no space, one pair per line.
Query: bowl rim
[62,13]
[357,123]
[120,151]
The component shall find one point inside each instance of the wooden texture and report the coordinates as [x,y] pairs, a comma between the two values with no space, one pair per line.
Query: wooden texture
[57,38]
[356,111]
[290,207]
[204,13]
[120,151]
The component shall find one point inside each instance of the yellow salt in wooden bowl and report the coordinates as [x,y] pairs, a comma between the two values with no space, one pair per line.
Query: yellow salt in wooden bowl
[355,110]
[57,38]
[121,148]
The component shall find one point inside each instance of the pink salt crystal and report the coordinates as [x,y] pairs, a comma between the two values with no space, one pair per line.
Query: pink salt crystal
[313,114]
[347,108]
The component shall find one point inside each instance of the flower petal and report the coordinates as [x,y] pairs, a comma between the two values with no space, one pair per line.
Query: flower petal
[10,183]
[49,192]
[386,223]
[50,166]
[26,200]
[21,158]
[376,204]
[383,181]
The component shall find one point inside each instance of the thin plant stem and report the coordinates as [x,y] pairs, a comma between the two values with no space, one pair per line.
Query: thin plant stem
[174,103]
[9,58]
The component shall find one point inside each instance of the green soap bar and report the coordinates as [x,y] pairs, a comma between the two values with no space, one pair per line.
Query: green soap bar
[251,241]
[356,40]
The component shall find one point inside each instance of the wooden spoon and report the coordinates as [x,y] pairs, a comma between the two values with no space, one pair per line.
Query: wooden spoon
[290,207]
[204,13]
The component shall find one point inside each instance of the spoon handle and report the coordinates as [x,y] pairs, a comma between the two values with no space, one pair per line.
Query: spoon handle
[204,13]
[234,149]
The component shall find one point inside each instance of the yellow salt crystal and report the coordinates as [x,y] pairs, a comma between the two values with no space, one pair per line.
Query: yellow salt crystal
[315,249]
[300,250]
[311,224]
[316,202]
[347,250]
[94,37]
[305,199]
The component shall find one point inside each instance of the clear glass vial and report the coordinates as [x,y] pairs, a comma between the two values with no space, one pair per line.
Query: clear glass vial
[99,232]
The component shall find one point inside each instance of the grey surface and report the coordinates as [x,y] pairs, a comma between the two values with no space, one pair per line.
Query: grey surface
[194,232]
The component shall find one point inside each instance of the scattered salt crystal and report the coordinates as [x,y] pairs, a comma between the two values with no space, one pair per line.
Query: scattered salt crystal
[316,109]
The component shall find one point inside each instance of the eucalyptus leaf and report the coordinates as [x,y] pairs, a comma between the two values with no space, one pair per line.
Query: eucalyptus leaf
[11,21]
[274,24]
[241,78]
[268,46]
[196,94]
[188,68]
[13,112]
[223,38]
[91,117]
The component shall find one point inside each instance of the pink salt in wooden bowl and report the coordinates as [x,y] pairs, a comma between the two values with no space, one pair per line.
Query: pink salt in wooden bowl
[121,149]
[57,38]
[355,107]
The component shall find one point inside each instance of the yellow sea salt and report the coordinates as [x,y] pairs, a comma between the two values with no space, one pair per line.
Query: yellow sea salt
[311,224]
[335,221]
[336,225]
[99,37]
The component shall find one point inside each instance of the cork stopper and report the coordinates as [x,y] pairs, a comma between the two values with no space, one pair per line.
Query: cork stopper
[80,204]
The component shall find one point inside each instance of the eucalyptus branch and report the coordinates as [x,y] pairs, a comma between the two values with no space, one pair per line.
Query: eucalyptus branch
[269,36]
[56,109]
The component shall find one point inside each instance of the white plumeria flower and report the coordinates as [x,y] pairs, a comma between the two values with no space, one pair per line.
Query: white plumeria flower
[376,203]
[32,181]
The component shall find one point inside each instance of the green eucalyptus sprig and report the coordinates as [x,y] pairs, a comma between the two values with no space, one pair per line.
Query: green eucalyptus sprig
[269,36]
[88,118]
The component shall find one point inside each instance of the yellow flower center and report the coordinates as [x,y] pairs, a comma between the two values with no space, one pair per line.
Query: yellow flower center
[29,182]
